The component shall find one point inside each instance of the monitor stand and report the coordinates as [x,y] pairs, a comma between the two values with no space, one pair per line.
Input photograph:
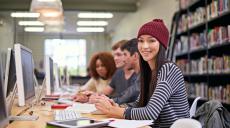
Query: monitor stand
[19,117]
[40,92]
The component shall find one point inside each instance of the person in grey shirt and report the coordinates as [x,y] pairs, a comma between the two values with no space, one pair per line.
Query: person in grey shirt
[119,83]
[123,77]
[131,62]
[131,93]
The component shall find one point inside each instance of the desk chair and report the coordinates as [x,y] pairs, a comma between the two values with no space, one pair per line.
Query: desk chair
[186,123]
[192,110]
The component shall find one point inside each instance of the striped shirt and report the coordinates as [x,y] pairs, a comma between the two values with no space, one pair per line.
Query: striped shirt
[169,100]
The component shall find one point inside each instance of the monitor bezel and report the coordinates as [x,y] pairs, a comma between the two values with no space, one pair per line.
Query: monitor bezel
[49,87]
[7,71]
[57,76]
[19,74]
[5,121]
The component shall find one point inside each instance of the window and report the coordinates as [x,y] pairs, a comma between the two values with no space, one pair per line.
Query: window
[68,52]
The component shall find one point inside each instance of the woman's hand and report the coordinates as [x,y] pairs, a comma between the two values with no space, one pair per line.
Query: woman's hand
[93,98]
[81,98]
[110,108]
[87,93]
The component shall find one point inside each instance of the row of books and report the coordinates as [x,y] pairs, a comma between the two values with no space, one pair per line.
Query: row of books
[216,8]
[183,65]
[191,19]
[220,92]
[198,40]
[219,64]
[215,36]
[213,65]
[185,3]
[218,35]
[199,66]
[201,14]
[196,17]
[181,45]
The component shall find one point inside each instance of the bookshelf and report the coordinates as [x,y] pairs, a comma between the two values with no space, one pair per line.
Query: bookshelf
[201,48]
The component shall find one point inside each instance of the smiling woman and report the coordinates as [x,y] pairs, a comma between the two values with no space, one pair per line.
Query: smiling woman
[163,96]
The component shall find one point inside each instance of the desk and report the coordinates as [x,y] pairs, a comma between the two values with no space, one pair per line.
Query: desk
[45,114]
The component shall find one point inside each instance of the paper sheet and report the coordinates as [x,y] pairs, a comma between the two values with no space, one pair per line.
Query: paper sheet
[120,123]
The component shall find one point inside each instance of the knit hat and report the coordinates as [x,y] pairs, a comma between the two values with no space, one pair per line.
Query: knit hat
[157,29]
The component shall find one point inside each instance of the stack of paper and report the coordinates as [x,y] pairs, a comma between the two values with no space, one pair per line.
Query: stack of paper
[120,123]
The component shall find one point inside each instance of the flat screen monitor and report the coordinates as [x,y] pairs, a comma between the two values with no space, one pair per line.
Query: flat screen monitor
[10,72]
[3,110]
[57,76]
[24,74]
[49,75]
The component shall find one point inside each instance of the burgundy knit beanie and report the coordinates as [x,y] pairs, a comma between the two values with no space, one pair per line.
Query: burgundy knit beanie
[157,29]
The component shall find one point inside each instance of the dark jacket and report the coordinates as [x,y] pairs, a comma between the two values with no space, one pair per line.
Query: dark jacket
[212,114]
[130,94]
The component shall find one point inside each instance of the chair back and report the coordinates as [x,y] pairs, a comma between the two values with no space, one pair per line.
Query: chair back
[192,110]
[186,123]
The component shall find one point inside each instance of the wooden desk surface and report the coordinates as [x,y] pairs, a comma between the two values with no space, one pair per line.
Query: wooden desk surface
[45,114]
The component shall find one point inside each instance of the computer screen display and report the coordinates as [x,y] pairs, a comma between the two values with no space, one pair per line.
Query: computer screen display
[51,74]
[24,73]
[10,73]
[3,110]
[57,76]
[28,72]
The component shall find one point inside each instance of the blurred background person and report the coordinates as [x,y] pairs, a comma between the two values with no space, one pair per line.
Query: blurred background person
[123,76]
[102,68]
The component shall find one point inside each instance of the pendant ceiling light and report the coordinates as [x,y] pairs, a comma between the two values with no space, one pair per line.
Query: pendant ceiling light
[51,12]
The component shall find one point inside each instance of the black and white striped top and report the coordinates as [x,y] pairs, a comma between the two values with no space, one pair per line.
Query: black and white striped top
[169,101]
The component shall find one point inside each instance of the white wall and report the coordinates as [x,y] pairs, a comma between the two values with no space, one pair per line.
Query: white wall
[147,11]
[95,42]
[34,41]
[6,37]
[6,32]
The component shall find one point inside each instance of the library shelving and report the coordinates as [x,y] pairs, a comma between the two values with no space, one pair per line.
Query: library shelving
[200,45]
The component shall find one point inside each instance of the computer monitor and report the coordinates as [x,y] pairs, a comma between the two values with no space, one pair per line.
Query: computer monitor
[25,75]
[57,76]
[10,73]
[49,75]
[4,120]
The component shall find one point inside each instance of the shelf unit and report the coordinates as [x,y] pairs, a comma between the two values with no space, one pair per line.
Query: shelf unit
[207,53]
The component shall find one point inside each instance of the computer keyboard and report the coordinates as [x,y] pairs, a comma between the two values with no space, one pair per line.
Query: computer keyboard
[65,101]
[24,118]
[60,115]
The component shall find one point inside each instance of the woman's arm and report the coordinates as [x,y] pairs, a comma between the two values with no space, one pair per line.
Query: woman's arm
[90,85]
[169,78]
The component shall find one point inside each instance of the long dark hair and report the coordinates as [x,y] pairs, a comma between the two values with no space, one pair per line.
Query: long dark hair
[148,77]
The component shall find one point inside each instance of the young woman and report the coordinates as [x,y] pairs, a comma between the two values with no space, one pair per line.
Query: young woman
[163,97]
[102,67]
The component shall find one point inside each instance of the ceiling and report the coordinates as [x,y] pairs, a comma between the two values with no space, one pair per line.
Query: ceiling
[73,7]
[79,5]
